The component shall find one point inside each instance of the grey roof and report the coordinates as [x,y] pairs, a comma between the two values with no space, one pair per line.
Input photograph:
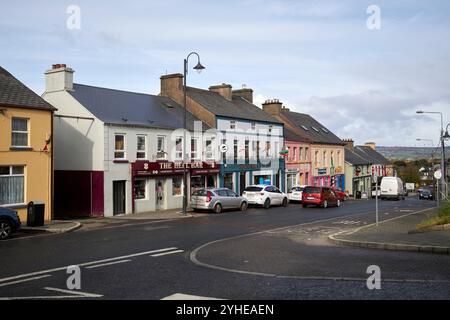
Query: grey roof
[238,107]
[133,109]
[377,158]
[322,135]
[355,158]
[292,136]
[14,93]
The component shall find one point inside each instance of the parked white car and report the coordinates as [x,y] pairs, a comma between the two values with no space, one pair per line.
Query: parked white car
[265,196]
[392,188]
[296,193]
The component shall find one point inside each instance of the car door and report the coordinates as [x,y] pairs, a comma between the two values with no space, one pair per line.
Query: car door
[234,199]
[279,195]
[224,198]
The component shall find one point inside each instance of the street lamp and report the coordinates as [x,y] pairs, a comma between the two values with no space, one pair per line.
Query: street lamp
[446,135]
[199,68]
[441,138]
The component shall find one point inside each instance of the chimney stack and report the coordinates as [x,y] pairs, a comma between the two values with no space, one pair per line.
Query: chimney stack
[172,86]
[272,107]
[59,78]
[371,145]
[349,143]
[223,89]
[245,93]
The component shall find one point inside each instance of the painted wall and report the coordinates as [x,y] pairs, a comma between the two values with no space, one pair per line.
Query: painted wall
[38,166]
[300,162]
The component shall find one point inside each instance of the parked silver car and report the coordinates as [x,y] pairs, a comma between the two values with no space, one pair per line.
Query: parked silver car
[217,200]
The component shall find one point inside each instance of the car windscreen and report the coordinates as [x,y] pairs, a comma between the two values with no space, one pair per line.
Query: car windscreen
[253,189]
[200,193]
[312,190]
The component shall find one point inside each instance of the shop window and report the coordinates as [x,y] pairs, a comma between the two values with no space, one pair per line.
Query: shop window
[19,136]
[119,146]
[141,147]
[177,184]
[140,188]
[12,185]
[197,182]
[228,181]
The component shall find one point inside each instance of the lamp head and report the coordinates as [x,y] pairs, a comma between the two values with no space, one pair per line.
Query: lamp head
[199,67]
[446,135]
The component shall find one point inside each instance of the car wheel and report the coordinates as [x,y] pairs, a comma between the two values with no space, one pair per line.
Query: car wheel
[325,204]
[5,229]
[267,204]
[338,204]
[285,202]
[244,206]
[218,208]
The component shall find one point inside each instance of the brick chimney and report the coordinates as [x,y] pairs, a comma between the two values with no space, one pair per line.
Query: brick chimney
[349,143]
[223,89]
[59,78]
[245,93]
[273,107]
[172,86]
[371,145]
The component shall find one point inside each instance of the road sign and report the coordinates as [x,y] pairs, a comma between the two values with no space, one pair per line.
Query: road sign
[438,175]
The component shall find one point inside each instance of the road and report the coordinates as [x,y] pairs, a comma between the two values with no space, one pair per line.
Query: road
[281,253]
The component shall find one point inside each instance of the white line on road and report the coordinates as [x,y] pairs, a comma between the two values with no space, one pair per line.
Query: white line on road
[73,295]
[182,296]
[78,293]
[166,253]
[85,264]
[24,280]
[107,264]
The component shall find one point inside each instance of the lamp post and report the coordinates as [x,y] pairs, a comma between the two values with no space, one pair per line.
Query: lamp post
[441,138]
[199,69]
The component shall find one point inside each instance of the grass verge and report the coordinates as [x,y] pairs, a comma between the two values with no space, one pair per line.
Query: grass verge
[442,218]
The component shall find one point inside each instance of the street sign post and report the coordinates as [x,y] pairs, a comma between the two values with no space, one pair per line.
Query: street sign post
[375,177]
[438,177]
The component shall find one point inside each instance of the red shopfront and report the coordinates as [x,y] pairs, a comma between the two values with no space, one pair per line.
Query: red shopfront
[159,185]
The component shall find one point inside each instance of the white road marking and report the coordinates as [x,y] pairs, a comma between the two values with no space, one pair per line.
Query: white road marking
[24,280]
[73,295]
[84,264]
[181,296]
[166,253]
[107,264]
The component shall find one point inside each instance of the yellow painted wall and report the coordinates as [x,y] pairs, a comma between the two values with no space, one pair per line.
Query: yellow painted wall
[338,162]
[37,163]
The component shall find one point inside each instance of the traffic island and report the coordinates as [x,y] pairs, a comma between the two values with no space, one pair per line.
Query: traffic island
[398,234]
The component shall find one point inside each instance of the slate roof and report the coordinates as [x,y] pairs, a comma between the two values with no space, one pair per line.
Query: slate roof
[133,109]
[322,135]
[238,107]
[14,93]
[292,136]
[377,158]
[354,158]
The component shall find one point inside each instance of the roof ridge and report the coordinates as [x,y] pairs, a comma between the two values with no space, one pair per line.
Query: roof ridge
[118,90]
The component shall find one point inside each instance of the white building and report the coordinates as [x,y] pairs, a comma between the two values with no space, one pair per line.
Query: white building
[122,152]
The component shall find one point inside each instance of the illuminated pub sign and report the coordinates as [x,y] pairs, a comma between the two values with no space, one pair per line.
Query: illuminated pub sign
[147,168]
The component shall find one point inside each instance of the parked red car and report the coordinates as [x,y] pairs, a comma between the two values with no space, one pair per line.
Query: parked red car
[343,196]
[320,197]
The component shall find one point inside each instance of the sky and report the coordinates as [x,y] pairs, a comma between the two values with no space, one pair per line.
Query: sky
[316,56]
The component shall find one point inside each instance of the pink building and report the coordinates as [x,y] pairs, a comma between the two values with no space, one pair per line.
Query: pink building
[298,160]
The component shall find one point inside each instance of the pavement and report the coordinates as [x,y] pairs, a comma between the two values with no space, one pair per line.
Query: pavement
[399,233]
[54,226]
[280,253]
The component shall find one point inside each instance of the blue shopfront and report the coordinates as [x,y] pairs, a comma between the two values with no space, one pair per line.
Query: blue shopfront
[238,176]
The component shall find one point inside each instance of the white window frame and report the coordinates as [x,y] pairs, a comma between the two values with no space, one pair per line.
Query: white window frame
[145,146]
[232,125]
[253,126]
[11,174]
[21,132]
[124,146]
[163,151]
[179,153]
[209,151]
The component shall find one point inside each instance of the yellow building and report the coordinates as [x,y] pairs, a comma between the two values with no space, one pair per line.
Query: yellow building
[25,147]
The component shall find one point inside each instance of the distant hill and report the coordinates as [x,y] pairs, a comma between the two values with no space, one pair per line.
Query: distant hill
[409,153]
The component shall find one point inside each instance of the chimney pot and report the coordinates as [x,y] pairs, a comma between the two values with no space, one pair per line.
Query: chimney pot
[245,93]
[225,90]
[272,107]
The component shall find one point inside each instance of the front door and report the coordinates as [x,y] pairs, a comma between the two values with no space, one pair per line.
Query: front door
[118,197]
[241,183]
[159,193]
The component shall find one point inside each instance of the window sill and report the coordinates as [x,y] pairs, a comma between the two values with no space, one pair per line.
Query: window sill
[21,149]
[14,206]
[121,161]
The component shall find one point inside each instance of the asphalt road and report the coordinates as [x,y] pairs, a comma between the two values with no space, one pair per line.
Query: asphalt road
[281,253]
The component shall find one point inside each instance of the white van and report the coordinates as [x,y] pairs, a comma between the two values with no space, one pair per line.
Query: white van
[392,188]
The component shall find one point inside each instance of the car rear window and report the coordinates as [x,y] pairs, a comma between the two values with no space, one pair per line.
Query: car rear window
[253,189]
[312,190]
[200,193]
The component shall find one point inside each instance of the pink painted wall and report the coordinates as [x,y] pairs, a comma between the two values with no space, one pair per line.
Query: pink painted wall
[294,162]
